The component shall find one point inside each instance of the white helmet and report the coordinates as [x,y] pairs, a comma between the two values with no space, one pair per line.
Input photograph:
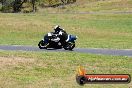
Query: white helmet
[57,26]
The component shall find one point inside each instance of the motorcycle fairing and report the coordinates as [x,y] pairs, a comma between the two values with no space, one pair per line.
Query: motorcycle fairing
[71,38]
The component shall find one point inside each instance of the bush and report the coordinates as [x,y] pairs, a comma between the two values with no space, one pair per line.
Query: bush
[7,9]
[26,7]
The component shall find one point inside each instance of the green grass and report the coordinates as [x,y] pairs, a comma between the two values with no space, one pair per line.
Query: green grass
[48,69]
[95,31]
[19,69]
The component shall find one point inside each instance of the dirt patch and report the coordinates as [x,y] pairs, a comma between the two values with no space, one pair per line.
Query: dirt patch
[14,61]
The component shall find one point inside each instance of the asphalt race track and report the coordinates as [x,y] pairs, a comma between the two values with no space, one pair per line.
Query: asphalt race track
[119,52]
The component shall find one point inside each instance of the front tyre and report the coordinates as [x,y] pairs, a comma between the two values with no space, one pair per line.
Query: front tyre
[42,45]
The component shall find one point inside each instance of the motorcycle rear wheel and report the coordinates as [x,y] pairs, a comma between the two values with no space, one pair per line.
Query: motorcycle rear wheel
[69,46]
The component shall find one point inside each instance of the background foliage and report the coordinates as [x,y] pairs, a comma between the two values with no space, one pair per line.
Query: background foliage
[27,5]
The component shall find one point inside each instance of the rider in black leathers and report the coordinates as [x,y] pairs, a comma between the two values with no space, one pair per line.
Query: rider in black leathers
[60,32]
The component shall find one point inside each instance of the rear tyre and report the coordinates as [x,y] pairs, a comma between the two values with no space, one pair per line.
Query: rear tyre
[72,46]
[69,46]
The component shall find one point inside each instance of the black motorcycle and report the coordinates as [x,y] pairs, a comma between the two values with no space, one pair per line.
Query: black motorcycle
[54,42]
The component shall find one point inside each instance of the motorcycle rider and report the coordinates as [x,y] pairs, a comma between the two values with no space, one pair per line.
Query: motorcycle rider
[61,34]
[58,29]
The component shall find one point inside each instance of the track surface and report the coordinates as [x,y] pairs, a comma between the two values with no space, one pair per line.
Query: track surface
[120,52]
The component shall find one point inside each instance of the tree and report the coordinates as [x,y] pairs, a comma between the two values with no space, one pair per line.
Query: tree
[17,5]
[33,5]
[68,1]
[29,5]
[6,5]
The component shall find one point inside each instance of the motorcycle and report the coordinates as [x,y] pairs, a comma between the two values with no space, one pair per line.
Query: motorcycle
[54,42]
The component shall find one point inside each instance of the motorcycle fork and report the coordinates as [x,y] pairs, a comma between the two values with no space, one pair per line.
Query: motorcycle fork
[46,45]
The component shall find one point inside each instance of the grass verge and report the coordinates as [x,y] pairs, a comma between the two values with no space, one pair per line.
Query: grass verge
[95,31]
[46,69]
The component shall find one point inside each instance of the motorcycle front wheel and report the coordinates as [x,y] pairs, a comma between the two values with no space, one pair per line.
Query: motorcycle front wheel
[42,45]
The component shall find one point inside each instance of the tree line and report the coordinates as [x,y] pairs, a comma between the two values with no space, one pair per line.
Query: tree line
[31,5]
